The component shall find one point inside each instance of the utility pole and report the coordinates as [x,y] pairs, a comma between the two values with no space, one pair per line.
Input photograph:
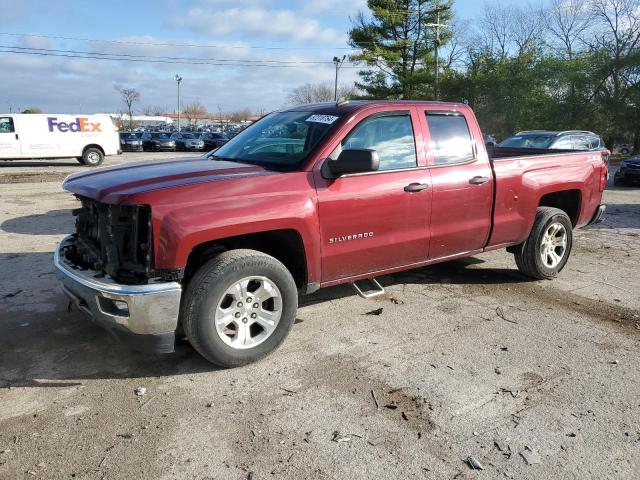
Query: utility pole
[179,80]
[437,44]
[338,63]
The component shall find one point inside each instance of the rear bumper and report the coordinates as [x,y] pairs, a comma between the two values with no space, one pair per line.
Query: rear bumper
[144,317]
[598,217]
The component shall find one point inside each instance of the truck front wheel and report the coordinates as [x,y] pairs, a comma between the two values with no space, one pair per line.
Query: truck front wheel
[238,307]
[545,253]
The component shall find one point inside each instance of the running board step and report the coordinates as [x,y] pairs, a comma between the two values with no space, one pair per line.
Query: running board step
[376,291]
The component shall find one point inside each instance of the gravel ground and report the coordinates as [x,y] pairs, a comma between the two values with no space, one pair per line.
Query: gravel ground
[465,359]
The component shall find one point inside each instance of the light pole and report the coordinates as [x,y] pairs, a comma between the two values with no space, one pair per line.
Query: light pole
[338,62]
[437,44]
[179,80]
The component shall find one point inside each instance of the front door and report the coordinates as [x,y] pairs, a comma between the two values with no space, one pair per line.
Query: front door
[377,220]
[9,140]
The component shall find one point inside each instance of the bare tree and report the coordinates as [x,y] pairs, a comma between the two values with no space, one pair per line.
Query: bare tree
[129,97]
[240,115]
[567,22]
[495,25]
[319,92]
[526,27]
[193,111]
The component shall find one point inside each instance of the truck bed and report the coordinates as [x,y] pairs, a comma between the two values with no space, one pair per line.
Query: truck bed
[524,176]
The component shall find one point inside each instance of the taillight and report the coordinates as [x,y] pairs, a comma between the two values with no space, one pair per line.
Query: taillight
[603,177]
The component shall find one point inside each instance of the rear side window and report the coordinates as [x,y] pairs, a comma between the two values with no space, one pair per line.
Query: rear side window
[581,142]
[594,142]
[563,143]
[450,139]
[389,135]
[6,125]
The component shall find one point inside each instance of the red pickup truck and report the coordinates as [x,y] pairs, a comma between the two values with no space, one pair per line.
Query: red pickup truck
[218,248]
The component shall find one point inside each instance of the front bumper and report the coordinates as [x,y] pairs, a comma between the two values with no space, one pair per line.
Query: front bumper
[144,317]
[598,217]
[628,174]
[127,147]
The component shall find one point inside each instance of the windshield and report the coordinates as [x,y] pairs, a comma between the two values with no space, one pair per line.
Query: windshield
[279,140]
[130,135]
[161,136]
[190,135]
[529,141]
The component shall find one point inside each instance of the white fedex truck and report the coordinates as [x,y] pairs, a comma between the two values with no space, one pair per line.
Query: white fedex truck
[89,138]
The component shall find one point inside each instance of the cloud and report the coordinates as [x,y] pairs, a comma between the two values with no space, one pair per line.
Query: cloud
[257,22]
[72,85]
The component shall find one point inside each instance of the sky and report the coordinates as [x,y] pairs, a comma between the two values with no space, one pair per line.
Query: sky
[286,44]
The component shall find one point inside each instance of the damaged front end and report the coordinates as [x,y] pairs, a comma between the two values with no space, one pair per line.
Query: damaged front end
[106,270]
[114,240]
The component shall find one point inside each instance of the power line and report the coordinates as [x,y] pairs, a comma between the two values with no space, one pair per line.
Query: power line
[179,60]
[166,44]
[5,49]
[162,57]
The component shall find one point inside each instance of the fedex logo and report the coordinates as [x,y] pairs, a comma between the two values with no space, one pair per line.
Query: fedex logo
[81,124]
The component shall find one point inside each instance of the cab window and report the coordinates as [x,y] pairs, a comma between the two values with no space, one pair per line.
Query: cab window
[451,140]
[563,143]
[391,135]
[6,125]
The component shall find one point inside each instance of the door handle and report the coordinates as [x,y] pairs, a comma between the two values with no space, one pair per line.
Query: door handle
[416,187]
[17,138]
[479,180]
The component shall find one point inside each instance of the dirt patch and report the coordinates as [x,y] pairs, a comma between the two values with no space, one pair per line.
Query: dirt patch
[32,177]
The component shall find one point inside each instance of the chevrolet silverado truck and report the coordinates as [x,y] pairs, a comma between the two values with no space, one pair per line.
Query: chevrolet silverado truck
[218,248]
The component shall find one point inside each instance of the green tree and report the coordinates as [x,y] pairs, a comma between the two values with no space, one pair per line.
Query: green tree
[397,42]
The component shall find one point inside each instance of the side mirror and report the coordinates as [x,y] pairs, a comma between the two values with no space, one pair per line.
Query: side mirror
[354,161]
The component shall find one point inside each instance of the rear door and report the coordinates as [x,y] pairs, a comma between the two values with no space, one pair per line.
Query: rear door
[462,183]
[377,220]
[9,138]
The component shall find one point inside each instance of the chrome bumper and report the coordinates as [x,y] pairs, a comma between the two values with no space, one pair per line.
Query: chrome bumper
[143,316]
[598,217]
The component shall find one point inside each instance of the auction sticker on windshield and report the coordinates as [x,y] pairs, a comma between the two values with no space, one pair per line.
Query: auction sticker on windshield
[328,119]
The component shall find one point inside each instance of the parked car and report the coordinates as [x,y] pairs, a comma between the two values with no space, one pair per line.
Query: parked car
[88,138]
[188,141]
[628,172]
[623,149]
[219,246]
[567,140]
[213,140]
[131,141]
[155,141]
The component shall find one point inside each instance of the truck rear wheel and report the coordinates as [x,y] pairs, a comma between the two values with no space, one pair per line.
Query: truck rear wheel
[92,157]
[238,307]
[545,253]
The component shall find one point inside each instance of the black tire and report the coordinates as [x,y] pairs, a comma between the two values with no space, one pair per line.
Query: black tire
[529,258]
[92,157]
[207,288]
[618,182]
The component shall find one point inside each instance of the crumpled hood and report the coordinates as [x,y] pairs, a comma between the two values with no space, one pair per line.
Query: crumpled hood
[115,184]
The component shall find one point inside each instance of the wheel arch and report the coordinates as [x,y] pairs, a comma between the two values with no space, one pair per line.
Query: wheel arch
[93,145]
[285,245]
[569,201]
